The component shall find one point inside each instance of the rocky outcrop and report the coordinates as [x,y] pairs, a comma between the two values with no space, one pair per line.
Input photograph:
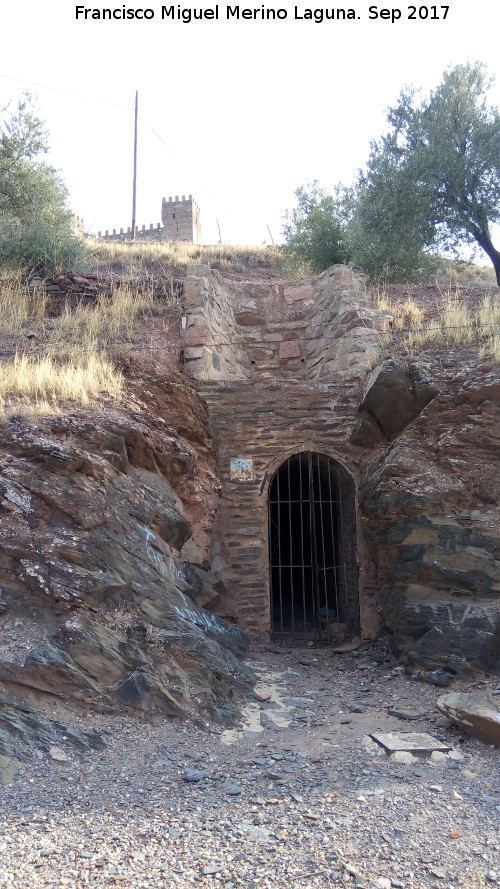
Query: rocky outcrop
[24,727]
[103,516]
[432,524]
[477,713]
[395,394]
[120,584]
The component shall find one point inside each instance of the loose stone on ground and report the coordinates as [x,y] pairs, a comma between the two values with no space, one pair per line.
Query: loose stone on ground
[309,804]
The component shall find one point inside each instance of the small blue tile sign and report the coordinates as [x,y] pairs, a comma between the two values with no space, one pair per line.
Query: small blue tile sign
[241,469]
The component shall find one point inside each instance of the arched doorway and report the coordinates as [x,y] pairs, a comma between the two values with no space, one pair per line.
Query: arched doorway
[312,551]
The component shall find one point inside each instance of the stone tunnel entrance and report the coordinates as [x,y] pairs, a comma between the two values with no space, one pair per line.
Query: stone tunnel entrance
[312,551]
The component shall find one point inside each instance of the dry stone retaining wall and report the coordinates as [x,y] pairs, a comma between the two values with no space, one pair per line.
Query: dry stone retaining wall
[314,329]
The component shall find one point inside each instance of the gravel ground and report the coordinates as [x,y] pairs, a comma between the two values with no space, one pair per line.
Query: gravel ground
[298,796]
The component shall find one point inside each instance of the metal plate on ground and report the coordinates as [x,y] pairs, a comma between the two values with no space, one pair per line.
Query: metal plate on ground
[411,742]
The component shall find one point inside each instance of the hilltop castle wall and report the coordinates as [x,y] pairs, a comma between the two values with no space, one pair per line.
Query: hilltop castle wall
[181,221]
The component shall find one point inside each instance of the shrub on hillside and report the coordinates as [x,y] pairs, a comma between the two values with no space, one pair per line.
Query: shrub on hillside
[36,230]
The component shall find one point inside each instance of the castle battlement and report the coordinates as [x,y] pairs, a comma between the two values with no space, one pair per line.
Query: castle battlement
[181,219]
[153,232]
[180,222]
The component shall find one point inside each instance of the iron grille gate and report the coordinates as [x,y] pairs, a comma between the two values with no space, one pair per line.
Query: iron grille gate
[313,573]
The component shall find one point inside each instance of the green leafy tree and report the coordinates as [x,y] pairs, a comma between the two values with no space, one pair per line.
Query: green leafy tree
[387,240]
[433,182]
[36,228]
[315,230]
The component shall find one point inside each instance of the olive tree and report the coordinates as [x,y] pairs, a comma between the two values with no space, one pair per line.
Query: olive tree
[433,181]
[35,224]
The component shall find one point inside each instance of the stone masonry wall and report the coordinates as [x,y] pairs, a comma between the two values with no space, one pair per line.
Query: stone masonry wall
[281,368]
[151,233]
[211,350]
[310,330]
[268,422]
[296,367]
[181,219]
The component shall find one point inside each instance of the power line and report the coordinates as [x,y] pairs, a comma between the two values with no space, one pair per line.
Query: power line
[483,330]
[84,98]
[174,153]
[56,89]
[91,99]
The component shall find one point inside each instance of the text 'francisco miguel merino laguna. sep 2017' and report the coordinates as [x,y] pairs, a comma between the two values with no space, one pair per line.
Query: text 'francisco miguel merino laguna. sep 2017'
[264,13]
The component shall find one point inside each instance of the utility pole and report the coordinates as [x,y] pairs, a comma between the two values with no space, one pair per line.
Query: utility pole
[134,187]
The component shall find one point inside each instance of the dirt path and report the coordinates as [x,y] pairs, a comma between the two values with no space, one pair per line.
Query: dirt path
[297,796]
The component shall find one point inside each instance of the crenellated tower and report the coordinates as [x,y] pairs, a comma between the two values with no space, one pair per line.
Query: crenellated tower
[181,219]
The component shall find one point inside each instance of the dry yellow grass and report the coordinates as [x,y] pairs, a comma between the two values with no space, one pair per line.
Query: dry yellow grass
[491,348]
[406,315]
[70,363]
[431,332]
[488,314]
[90,328]
[18,307]
[38,385]
[488,317]
[453,321]
[111,319]
[458,321]
[136,259]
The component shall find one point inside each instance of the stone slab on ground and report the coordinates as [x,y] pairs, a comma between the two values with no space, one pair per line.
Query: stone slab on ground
[412,742]
[402,713]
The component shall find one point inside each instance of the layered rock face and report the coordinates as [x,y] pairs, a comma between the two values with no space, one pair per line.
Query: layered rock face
[432,522]
[105,522]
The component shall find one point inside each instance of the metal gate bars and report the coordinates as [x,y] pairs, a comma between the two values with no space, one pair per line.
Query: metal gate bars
[312,551]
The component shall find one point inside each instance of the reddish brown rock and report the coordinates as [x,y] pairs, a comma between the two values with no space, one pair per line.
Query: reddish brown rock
[98,511]
[289,349]
[430,513]
[297,292]
[477,713]
[395,394]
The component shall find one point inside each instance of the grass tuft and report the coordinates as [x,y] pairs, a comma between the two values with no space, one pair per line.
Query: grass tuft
[456,319]
[491,348]
[90,328]
[70,362]
[18,307]
[432,333]
[37,385]
[406,315]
